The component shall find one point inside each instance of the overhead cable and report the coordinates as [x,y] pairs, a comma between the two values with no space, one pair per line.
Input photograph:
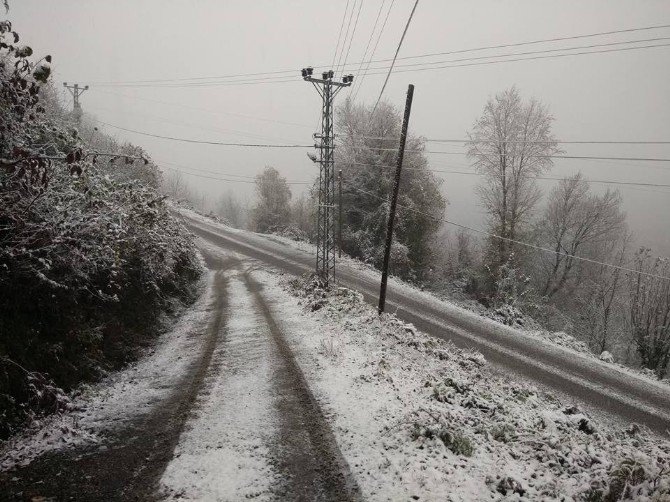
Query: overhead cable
[521,243]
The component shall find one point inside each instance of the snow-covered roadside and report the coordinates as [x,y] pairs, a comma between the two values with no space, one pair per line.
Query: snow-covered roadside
[416,417]
[122,396]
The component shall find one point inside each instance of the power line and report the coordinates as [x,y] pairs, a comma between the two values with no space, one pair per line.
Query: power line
[161,119]
[388,75]
[425,55]
[186,79]
[374,50]
[224,83]
[229,180]
[404,68]
[437,65]
[374,27]
[521,243]
[530,142]
[205,176]
[581,157]
[551,56]
[360,6]
[219,143]
[580,142]
[205,110]
[344,16]
[548,178]
[346,35]
[265,145]
[528,53]
[533,42]
[210,171]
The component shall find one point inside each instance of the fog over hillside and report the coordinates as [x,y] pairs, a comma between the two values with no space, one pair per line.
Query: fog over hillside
[612,96]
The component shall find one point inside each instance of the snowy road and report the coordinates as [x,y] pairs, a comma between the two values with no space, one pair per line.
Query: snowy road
[255,394]
[604,387]
[219,411]
[258,431]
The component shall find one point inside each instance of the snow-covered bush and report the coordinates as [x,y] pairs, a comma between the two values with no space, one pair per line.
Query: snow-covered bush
[89,259]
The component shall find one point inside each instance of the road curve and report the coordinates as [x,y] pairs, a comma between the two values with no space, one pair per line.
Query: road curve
[604,387]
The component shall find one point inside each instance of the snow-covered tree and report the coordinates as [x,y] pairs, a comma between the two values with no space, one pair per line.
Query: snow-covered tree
[650,310]
[510,144]
[272,211]
[366,153]
[575,222]
[90,254]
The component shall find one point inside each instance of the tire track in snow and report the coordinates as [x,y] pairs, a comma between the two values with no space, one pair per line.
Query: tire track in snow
[225,451]
[311,458]
[257,431]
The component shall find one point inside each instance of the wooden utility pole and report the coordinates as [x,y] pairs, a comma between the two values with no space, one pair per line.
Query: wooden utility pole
[339,219]
[394,199]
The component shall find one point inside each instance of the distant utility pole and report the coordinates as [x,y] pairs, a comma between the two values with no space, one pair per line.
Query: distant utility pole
[339,218]
[325,229]
[76,91]
[394,198]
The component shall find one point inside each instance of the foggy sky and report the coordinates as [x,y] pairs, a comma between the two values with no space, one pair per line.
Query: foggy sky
[615,96]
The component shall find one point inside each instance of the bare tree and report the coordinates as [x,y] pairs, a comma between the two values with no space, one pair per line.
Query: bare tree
[650,310]
[601,303]
[303,215]
[511,143]
[175,186]
[232,210]
[272,211]
[574,220]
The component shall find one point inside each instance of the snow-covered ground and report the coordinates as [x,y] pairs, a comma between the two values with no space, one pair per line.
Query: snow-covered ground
[413,416]
[417,418]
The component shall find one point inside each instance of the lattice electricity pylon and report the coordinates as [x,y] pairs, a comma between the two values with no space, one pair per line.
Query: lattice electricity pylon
[76,91]
[325,227]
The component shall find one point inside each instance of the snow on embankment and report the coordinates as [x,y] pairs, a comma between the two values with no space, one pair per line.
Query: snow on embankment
[123,396]
[416,417]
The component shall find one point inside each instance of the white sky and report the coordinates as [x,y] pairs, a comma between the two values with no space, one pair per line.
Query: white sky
[611,96]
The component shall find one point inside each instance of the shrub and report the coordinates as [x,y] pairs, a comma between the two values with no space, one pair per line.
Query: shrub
[88,260]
